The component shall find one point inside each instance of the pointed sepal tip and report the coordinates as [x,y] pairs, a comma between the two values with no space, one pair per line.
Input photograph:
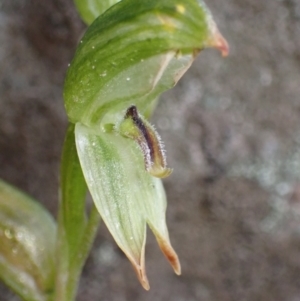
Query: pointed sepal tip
[170,254]
[219,42]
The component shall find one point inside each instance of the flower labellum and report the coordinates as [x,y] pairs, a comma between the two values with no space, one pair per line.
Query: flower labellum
[139,129]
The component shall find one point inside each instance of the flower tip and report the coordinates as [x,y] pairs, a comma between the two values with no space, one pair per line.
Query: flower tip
[141,274]
[140,269]
[145,285]
[175,263]
[177,268]
[219,42]
[160,172]
[171,255]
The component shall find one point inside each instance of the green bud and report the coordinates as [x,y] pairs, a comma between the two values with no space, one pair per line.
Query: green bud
[27,235]
[91,9]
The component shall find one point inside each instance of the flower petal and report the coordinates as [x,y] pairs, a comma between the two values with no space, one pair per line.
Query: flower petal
[126,196]
[110,184]
[154,210]
[92,9]
[134,52]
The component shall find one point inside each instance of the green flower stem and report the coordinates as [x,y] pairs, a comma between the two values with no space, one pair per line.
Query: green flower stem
[83,252]
[76,232]
[68,292]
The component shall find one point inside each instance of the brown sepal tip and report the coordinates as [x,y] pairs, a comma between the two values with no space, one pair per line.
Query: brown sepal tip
[140,269]
[219,42]
[170,254]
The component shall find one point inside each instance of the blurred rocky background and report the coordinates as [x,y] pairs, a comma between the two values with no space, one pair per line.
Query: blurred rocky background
[232,134]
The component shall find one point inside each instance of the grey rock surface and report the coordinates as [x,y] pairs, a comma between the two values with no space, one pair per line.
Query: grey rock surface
[232,133]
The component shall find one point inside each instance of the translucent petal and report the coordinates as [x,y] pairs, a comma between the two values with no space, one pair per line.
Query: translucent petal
[112,180]
[134,52]
[126,196]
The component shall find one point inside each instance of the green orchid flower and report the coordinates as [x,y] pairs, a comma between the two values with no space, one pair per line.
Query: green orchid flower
[27,248]
[126,59]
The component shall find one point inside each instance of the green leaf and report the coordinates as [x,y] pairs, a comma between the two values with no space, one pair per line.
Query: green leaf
[27,235]
[126,196]
[91,9]
[134,52]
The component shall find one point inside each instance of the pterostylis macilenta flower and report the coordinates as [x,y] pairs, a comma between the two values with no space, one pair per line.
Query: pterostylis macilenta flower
[126,59]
